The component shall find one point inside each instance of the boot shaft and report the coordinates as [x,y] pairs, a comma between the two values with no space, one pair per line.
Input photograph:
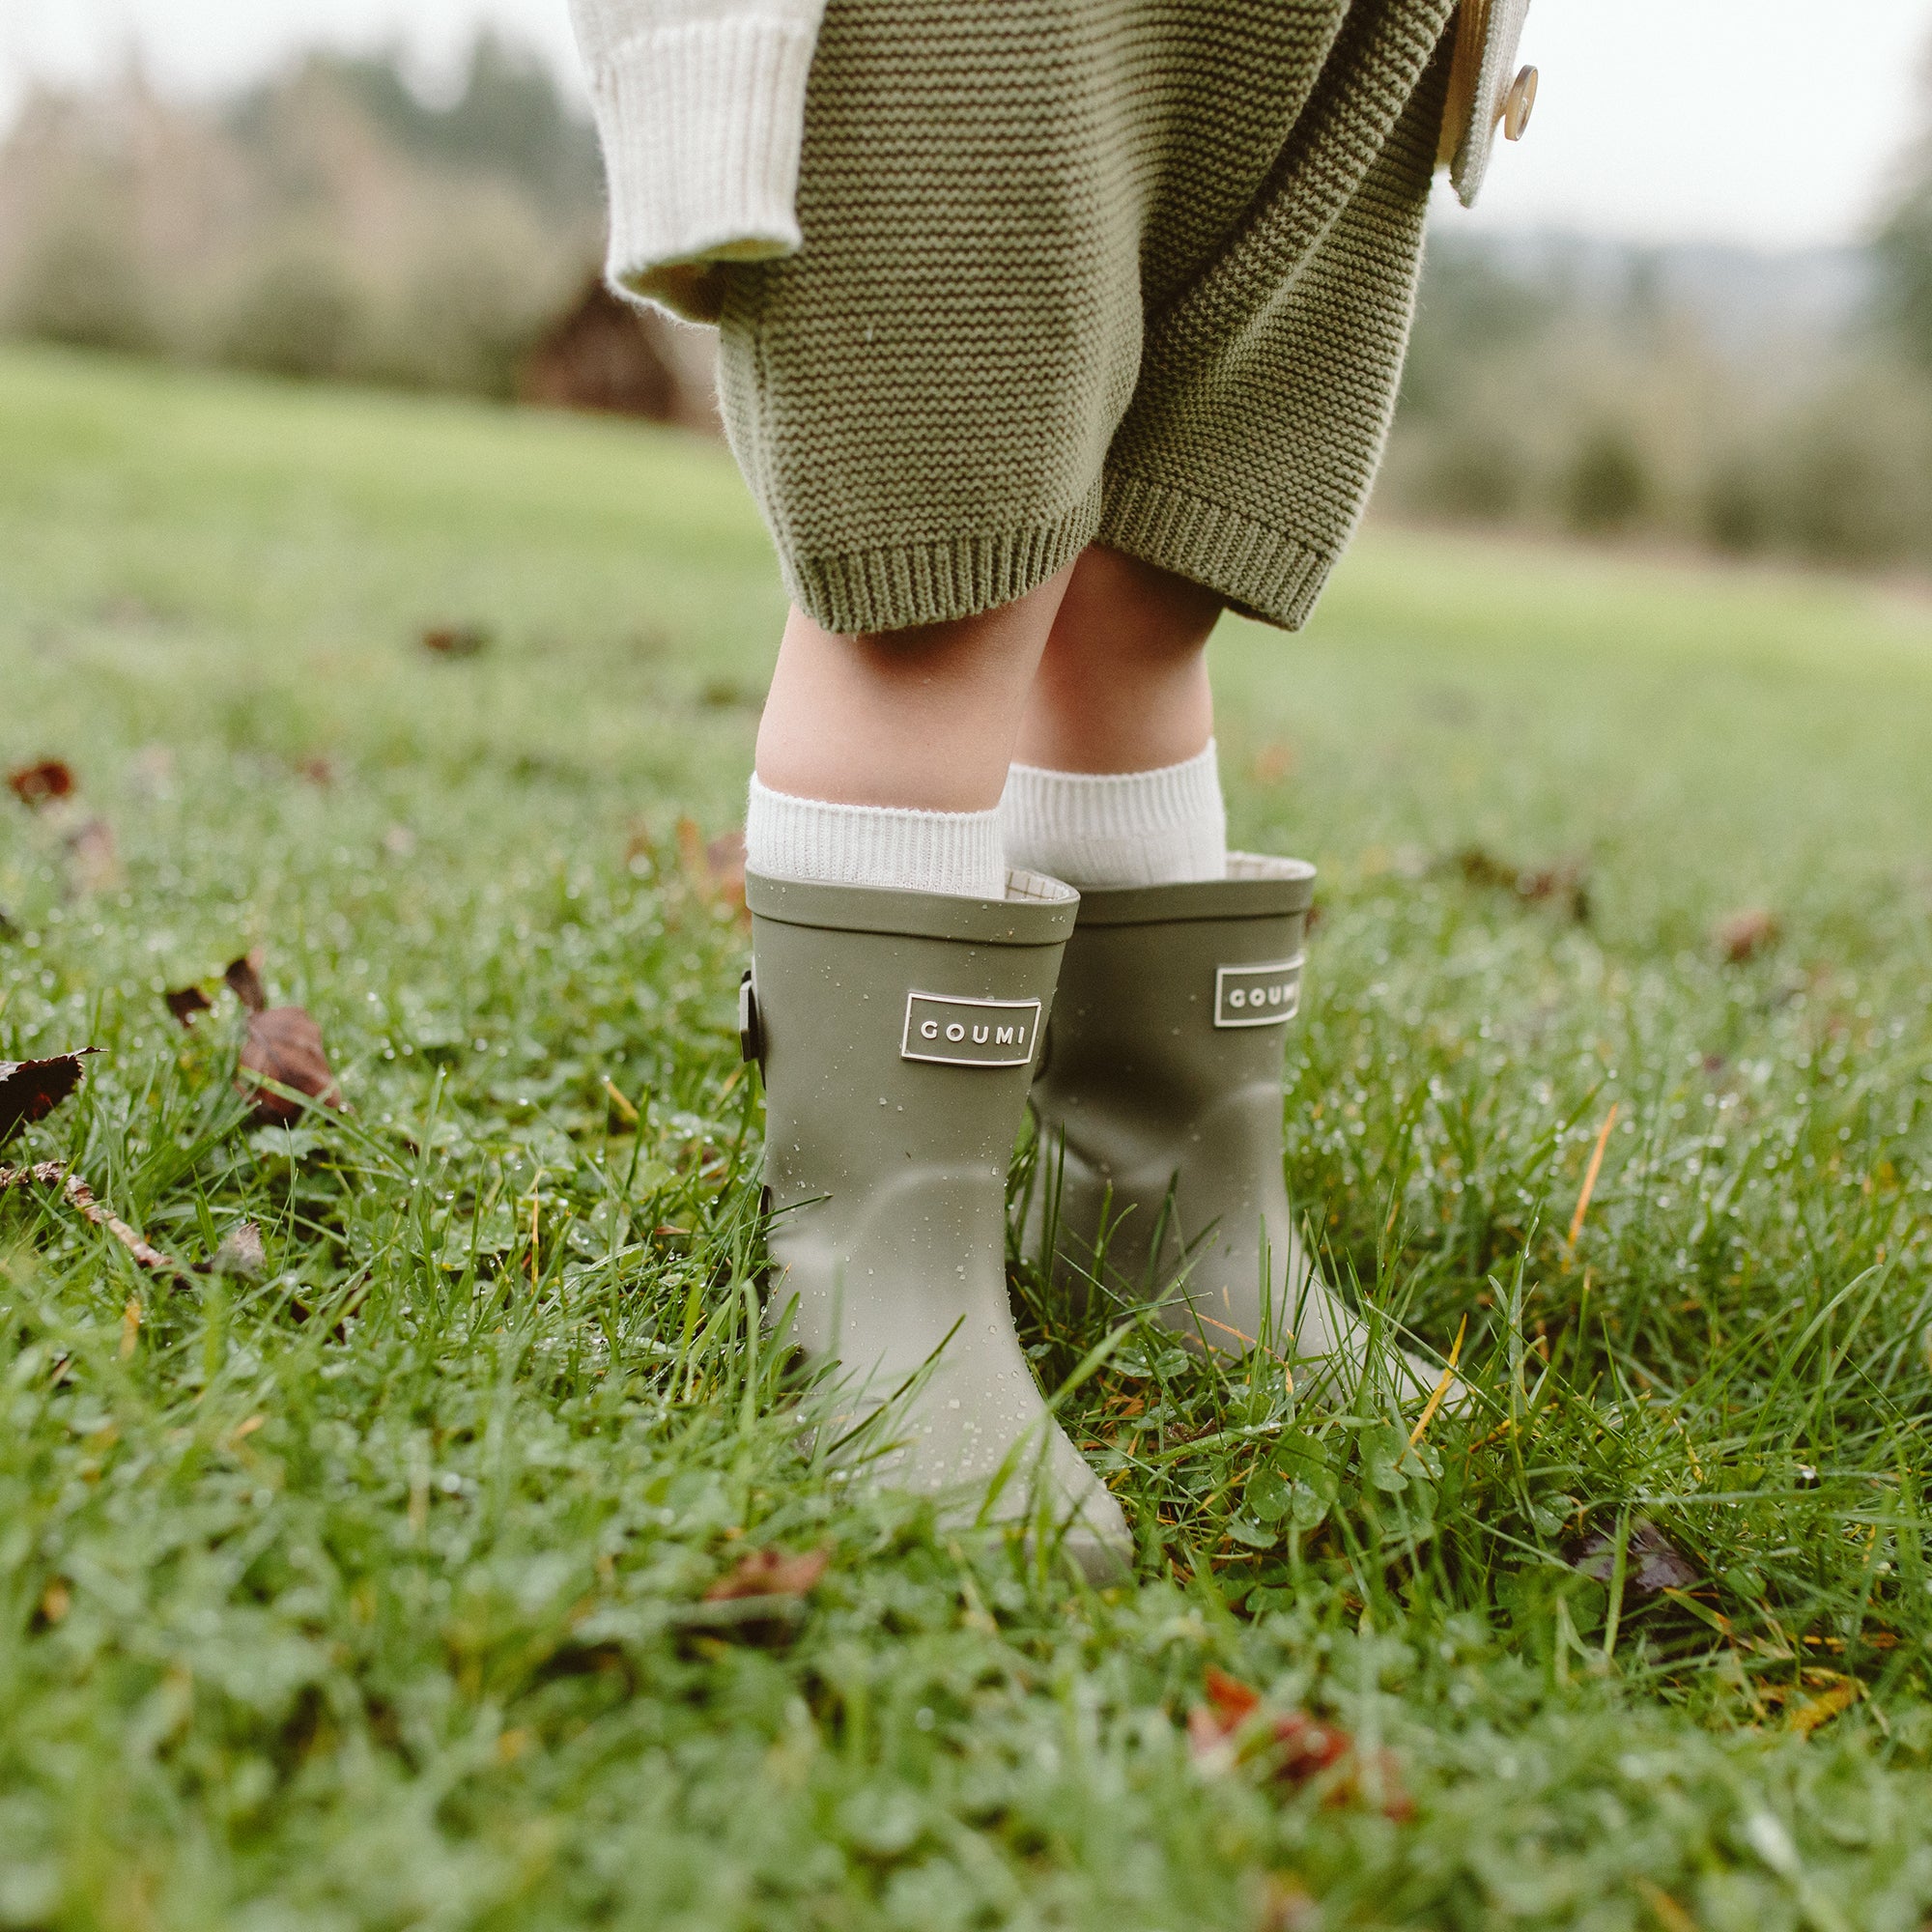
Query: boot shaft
[898,1032]
[1173,1001]
[896,1028]
[1159,1104]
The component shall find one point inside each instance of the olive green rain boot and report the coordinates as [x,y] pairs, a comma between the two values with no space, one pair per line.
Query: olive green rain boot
[897,1032]
[1159,1106]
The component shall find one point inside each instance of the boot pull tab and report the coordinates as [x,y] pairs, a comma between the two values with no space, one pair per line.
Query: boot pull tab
[751,1034]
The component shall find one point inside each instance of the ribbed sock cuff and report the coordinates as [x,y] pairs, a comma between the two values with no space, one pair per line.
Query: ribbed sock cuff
[958,853]
[1098,830]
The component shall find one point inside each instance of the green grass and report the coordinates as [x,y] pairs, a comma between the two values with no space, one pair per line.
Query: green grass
[426,1645]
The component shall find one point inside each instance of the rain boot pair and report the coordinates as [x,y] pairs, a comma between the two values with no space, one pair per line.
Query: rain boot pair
[901,1036]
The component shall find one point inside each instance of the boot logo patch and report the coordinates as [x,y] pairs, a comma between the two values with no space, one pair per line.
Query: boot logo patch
[1265,995]
[969,1033]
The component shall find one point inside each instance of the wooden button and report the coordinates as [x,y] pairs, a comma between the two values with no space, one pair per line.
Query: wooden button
[1519,103]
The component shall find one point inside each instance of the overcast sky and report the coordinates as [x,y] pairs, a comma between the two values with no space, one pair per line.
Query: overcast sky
[1765,122]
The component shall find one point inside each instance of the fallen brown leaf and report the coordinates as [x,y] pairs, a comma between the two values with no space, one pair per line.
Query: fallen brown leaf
[1669,1914]
[1741,936]
[244,980]
[455,640]
[318,769]
[715,868]
[1566,885]
[284,1044]
[186,1002]
[37,783]
[770,1573]
[724,857]
[1650,1561]
[30,1090]
[1839,1696]
[1234,1727]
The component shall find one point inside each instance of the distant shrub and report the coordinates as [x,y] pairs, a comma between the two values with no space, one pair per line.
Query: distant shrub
[465,325]
[1739,513]
[83,284]
[300,314]
[1608,487]
[1846,501]
[1473,473]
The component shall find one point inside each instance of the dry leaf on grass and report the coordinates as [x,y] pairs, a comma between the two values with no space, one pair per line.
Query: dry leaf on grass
[716,867]
[284,1044]
[1841,1694]
[30,1090]
[186,1002]
[1650,1561]
[770,1573]
[1234,1727]
[455,640]
[244,978]
[1567,886]
[43,782]
[1741,936]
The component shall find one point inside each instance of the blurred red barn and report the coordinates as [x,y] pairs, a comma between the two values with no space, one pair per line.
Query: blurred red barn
[600,354]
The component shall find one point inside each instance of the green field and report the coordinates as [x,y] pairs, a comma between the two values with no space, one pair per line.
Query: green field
[370,1590]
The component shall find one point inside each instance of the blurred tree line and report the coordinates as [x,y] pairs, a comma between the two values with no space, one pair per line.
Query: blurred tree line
[328,222]
[334,222]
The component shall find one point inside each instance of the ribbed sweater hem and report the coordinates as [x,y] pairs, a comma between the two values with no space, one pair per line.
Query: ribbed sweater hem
[1271,573]
[1268,573]
[895,586]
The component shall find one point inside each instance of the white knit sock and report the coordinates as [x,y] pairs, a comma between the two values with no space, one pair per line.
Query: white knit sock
[1100,829]
[953,852]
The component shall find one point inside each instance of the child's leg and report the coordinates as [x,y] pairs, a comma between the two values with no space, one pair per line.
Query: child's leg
[897,1031]
[1123,684]
[1115,782]
[881,759]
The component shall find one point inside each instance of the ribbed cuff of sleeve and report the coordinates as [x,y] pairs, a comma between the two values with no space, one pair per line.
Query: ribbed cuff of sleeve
[701,126]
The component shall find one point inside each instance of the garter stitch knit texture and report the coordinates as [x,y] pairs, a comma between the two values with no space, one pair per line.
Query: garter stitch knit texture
[1139,270]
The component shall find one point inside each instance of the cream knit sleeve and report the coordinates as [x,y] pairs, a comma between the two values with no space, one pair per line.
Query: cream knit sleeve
[700,111]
